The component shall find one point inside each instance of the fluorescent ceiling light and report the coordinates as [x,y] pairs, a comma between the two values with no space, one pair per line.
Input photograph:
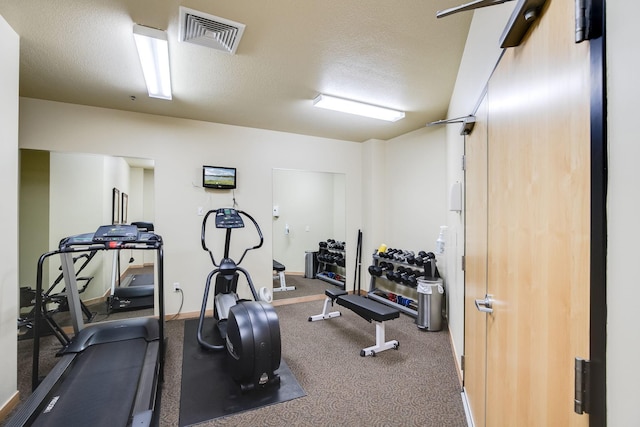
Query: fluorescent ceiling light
[355,107]
[153,50]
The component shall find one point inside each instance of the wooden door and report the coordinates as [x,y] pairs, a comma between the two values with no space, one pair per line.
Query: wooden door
[475,332]
[538,227]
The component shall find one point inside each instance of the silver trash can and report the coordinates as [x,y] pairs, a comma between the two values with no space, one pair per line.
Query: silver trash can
[310,264]
[430,292]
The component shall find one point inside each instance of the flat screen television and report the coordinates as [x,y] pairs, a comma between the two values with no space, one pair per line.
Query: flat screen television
[222,178]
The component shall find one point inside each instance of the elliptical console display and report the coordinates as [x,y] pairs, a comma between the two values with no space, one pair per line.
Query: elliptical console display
[250,329]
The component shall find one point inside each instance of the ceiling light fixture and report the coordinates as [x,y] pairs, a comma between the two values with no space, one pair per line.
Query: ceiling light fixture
[153,50]
[359,108]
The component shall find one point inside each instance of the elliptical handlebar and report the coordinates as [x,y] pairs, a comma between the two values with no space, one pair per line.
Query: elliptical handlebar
[226,248]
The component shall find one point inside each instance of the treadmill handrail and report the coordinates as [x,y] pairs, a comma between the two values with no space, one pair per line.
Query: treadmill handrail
[67,245]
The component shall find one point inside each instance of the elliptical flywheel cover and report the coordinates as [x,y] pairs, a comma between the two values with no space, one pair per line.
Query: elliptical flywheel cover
[253,344]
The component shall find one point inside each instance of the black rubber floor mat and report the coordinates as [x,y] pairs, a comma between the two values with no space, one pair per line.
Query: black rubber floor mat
[209,392]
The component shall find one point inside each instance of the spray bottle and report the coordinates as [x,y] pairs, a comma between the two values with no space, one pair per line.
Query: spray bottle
[440,241]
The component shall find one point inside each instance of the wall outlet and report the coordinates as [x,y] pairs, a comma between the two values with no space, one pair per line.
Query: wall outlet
[200,210]
[176,286]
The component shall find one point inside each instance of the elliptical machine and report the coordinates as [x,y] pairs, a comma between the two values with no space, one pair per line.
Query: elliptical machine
[250,329]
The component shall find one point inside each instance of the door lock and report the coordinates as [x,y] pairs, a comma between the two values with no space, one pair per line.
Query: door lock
[485,305]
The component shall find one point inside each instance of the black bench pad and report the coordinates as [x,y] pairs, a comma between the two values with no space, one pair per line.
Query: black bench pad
[277,266]
[367,308]
[334,293]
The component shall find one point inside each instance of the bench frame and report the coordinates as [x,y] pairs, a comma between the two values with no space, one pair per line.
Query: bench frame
[279,269]
[381,343]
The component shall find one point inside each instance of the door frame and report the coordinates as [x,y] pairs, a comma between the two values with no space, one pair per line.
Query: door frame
[598,285]
[598,233]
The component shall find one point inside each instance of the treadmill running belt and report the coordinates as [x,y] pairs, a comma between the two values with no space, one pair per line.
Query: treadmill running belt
[144,279]
[99,387]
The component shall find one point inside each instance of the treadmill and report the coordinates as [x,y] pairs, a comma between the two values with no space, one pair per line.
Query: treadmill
[134,291]
[109,373]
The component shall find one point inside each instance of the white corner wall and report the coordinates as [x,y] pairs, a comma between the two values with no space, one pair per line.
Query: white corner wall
[412,195]
[623,291]
[481,54]
[9,52]
[373,220]
[179,148]
[403,193]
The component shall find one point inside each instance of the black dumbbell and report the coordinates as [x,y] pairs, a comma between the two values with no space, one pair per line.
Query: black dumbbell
[404,278]
[375,270]
[413,281]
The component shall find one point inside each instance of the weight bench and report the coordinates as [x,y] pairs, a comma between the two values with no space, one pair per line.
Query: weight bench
[279,269]
[366,308]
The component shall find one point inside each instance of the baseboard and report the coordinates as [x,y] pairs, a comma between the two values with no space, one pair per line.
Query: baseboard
[288,301]
[187,316]
[467,408]
[456,359]
[99,299]
[11,404]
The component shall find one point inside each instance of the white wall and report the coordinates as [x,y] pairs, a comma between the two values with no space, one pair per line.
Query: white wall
[179,148]
[413,195]
[403,194]
[9,52]
[623,291]
[373,212]
[480,56]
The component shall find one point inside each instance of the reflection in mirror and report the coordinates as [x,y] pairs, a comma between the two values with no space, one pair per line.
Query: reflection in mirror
[308,208]
[64,194]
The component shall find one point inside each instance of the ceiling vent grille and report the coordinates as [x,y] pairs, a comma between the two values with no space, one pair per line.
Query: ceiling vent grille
[210,31]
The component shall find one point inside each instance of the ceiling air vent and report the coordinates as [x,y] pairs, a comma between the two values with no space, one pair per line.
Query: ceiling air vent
[210,31]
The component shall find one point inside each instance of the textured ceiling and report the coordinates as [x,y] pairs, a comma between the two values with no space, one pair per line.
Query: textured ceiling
[392,53]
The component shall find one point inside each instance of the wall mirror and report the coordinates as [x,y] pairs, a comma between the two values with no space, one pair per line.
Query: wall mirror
[308,212]
[63,194]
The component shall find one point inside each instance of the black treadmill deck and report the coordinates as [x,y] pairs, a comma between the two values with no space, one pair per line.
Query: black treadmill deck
[103,376]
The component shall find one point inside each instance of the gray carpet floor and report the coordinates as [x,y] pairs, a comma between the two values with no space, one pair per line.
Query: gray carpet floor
[304,287]
[416,385]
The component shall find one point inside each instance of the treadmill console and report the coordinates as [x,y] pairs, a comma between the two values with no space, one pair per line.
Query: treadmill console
[228,218]
[116,233]
[77,240]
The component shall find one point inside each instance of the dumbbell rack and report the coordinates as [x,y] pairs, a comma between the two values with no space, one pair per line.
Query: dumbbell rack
[387,291]
[329,271]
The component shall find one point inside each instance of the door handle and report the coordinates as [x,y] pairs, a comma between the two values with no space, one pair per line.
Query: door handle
[485,305]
